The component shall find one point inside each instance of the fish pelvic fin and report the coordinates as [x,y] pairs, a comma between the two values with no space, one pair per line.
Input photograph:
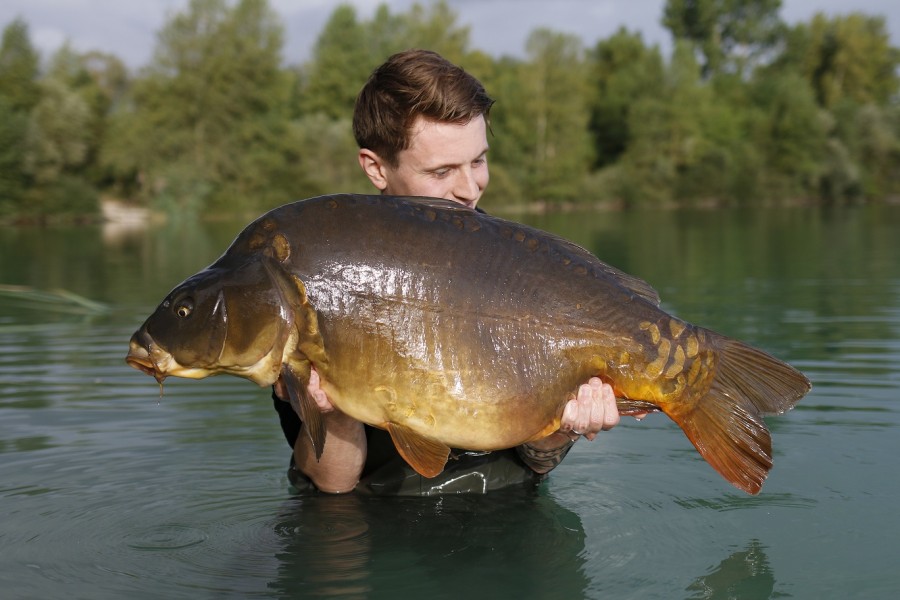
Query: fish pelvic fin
[726,426]
[305,407]
[425,455]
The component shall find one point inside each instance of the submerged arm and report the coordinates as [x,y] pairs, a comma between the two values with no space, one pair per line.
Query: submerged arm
[344,453]
[343,456]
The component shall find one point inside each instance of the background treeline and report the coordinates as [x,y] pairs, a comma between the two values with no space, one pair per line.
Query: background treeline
[746,110]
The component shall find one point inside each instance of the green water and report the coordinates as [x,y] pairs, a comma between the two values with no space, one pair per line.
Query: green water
[108,490]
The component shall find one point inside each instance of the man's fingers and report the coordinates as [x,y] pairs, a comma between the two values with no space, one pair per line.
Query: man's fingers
[585,402]
[592,410]
[570,413]
[606,408]
[317,393]
[279,389]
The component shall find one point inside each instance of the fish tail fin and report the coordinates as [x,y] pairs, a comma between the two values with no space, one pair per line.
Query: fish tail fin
[726,424]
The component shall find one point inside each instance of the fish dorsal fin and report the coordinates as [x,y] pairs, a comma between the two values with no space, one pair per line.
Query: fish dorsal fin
[426,456]
[635,284]
[305,407]
[419,202]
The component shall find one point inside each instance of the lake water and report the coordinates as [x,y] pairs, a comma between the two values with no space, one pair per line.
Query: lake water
[108,490]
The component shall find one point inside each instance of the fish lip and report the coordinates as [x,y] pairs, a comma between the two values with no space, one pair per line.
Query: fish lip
[140,356]
[145,365]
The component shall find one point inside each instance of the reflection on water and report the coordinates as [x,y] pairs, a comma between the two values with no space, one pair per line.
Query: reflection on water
[504,545]
[108,490]
[745,574]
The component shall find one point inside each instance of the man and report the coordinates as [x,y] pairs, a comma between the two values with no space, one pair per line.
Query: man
[421,126]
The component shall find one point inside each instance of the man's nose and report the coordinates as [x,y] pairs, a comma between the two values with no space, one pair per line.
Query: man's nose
[466,188]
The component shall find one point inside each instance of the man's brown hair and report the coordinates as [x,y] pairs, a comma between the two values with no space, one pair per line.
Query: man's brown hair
[408,85]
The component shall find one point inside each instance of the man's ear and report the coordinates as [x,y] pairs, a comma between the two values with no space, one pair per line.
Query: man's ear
[374,168]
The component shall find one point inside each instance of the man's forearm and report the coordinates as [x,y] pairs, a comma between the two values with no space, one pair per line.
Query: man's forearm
[343,456]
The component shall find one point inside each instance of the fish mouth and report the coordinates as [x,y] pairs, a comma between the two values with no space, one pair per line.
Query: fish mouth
[139,356]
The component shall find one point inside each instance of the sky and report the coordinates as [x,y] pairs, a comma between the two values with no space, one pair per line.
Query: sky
[128,28]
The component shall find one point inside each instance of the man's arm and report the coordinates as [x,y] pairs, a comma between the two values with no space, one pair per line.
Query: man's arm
[343,456]
[344,453]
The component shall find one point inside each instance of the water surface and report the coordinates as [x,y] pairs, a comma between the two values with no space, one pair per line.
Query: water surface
[109,490]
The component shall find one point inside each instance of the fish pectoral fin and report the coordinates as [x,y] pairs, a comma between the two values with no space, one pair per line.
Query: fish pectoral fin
[425,455]
[306,408]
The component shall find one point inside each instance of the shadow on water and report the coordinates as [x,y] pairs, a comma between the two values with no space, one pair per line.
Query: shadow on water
[515,544]
[746,574]
[507,545]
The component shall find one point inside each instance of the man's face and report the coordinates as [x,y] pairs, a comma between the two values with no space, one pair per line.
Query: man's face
[443,160]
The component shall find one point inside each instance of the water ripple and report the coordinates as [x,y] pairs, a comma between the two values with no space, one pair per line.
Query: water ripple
[167,536]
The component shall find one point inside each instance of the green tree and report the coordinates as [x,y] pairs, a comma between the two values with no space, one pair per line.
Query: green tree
[19,67]
[554,103]
[205,126]
[623,70]
[101,80]
[58,133]
[666,134]
[876,146]
[791,134]
[509,129]
[845,57]
[687,145]
[730,35]
[324,151]
[341,63]
[435,27]
[19,92]
[13,181]
[348,50]
[864,152]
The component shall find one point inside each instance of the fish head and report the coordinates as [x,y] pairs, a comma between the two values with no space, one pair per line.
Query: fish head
[228,318]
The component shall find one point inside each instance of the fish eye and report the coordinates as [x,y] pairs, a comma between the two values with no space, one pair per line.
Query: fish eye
[184,308]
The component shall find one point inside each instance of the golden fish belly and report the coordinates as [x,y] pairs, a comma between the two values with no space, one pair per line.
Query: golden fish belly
[445,384]
[480,420]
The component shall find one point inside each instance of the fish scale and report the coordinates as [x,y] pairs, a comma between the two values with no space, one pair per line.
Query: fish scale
[451,328]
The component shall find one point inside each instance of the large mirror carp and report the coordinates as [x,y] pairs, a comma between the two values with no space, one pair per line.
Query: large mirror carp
[450,328]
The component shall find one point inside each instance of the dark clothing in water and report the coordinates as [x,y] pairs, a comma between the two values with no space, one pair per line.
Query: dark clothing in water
[386,473]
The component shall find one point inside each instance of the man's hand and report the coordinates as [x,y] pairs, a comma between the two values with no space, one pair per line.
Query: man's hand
[593,410]
[314,390]
[317,393]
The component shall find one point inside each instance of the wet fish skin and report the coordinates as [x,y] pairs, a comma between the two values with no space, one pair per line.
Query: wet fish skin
[450,328]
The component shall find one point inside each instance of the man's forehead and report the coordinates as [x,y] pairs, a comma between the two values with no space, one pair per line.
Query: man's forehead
[435,142]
